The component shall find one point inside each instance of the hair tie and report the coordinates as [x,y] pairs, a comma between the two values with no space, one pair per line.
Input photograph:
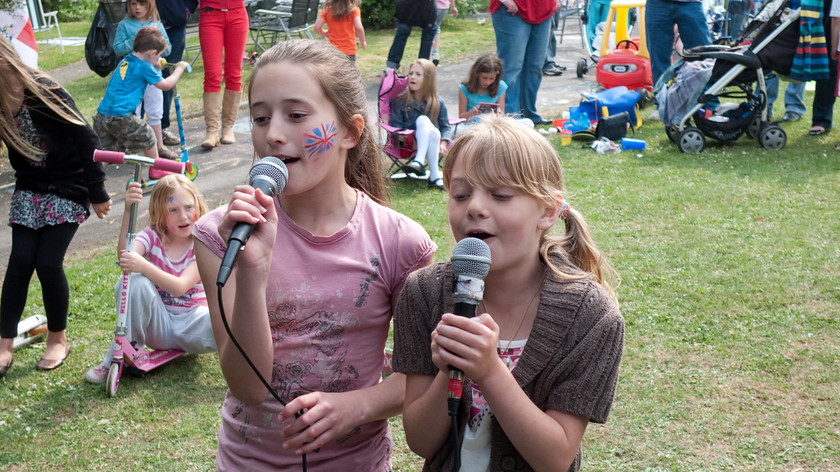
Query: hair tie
[564,210]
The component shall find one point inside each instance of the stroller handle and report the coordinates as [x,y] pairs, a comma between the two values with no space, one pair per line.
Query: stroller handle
[116,157]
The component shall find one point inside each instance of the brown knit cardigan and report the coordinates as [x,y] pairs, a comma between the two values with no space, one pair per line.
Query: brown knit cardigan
[570,361]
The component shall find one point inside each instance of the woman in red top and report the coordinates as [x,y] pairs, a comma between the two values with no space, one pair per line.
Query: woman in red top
[522,28]
[222,31]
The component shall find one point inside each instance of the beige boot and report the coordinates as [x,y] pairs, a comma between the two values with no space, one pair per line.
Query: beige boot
[230,107]
[212,118]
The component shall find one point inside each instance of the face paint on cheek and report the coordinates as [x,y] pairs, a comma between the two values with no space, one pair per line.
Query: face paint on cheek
[171,199]
[321,140]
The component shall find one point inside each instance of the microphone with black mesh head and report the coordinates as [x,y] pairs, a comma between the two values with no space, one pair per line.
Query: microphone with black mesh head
[269,174]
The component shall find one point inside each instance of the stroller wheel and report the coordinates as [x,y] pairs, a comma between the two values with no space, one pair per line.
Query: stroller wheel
[772,137]
[753,128]
[672,132]
[582,68]
[113,381]
[691,140]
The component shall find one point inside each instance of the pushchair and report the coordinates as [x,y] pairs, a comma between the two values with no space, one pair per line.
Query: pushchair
[767,44]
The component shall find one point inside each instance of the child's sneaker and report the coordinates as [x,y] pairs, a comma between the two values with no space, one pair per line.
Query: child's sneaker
[170,139]
[97,375]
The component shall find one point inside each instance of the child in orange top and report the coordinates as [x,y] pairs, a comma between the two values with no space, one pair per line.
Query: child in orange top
[344,22]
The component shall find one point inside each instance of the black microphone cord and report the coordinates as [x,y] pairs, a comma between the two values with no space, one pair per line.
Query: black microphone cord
[250,363]
[454,389]
[452,404]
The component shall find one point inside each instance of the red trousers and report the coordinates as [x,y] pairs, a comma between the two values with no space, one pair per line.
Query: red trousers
[228,31]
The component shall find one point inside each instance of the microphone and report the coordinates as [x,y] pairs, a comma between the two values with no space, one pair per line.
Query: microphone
[269,174]
[470,263]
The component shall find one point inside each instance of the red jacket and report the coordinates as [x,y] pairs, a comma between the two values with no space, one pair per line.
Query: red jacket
[531,11]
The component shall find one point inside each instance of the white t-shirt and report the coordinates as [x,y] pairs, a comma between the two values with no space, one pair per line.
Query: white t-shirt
[475,449]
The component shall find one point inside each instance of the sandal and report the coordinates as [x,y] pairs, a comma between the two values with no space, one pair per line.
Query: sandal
[437,183]
[816,130]
[51,364]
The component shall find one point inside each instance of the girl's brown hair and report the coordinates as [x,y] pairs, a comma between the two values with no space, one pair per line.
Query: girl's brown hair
[159,202]
[428,90]
[501,153]
[153,11]
[39,84]
[486,63]
[341,83]
[340,9]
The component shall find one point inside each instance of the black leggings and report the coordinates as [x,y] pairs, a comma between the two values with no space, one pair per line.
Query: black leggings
[39,250]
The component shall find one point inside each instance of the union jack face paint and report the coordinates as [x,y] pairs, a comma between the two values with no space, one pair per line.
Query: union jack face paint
[321,140]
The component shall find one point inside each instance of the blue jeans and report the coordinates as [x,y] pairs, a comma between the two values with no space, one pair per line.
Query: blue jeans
[551,50]
[398,46]
[794,96]
[660,18]
[178,40]
[441,14]
[522,47]
[596,13]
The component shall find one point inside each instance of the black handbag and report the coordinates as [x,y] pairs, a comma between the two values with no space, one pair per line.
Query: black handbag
[99,45]
[420,13]
[613,127]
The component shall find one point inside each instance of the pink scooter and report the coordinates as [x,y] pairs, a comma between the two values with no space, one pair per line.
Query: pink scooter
[127,355]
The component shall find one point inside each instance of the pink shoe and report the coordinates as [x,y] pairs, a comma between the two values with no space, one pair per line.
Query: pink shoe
[97,375]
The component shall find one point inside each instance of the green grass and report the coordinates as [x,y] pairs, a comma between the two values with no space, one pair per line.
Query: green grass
[730,291]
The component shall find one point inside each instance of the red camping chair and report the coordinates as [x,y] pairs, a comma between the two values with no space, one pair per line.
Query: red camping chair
[400,153]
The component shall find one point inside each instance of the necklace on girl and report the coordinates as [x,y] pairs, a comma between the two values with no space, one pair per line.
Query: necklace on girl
[501,352]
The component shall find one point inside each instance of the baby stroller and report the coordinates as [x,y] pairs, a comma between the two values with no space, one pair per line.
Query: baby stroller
[767,44]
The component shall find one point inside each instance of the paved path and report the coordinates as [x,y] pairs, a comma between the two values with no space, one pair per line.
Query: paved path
[228,165]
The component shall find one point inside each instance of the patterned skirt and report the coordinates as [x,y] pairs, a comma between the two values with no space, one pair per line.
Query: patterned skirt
[37,210]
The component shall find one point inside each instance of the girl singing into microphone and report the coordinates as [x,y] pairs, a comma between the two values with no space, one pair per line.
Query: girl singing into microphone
[311,296]
[542,358]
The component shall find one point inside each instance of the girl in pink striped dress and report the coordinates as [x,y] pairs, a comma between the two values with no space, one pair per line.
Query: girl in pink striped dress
[167,308]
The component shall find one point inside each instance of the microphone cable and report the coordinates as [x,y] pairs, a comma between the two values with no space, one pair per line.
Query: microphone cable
[265,383]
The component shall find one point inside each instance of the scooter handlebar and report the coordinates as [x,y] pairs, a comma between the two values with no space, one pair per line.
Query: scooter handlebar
[115,157]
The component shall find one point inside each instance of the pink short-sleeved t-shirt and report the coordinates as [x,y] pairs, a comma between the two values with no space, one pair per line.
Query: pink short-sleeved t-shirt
[329,304]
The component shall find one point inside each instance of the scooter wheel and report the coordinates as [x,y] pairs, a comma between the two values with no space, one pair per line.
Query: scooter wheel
[113,381]
[582,68]
[191,171]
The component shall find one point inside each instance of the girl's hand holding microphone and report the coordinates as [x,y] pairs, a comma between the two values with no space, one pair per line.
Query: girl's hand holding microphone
[252,207]
[468,344]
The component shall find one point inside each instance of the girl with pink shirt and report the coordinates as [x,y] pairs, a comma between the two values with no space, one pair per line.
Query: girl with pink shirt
[312,293]
[167,308]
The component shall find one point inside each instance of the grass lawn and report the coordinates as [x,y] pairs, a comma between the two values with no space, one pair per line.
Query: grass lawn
[730,290]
